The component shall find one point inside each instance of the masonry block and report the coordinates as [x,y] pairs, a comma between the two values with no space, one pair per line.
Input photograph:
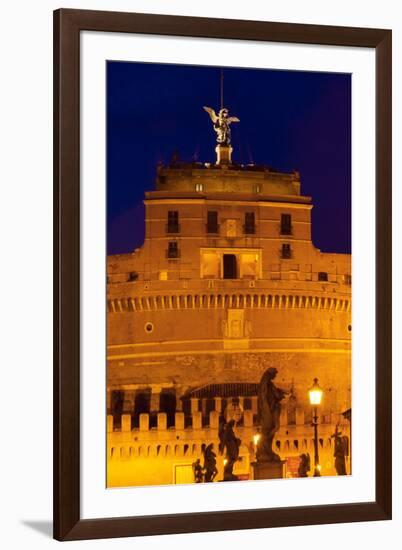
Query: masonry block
[254,404]
[144,422]
[299,416]
[162,421]
[197,421]
[109,422]
[126,422]
[248,418]
[214,419]
[179,421]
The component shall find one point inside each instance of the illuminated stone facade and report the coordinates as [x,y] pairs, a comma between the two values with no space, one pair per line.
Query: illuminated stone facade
[227,283]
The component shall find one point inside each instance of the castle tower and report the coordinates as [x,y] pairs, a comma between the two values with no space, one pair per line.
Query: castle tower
[226,284]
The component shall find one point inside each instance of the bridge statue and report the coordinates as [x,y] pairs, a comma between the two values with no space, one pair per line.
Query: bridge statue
[269,411]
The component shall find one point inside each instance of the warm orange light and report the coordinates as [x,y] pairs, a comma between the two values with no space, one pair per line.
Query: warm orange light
[315,393]
[256,438]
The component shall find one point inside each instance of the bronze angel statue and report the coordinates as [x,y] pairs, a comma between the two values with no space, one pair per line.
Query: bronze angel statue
[221,122]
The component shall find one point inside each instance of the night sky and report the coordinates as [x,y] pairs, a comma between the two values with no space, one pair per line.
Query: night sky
[288,120]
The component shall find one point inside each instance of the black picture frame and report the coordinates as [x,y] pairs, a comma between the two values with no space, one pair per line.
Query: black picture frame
[67,27]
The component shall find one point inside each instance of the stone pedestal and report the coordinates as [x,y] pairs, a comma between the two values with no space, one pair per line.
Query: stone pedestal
[223,154]
[268,470]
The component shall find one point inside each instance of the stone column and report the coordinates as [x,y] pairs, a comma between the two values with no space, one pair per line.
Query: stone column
[214,419]
[299,416]
[179,421]
[254,404]
[179,402]
[126,422]
[128,404]
[194,404]
[283,421]
[248,418]
[155,399]
[197,421]
[144,422]
[162,421]
[218,404]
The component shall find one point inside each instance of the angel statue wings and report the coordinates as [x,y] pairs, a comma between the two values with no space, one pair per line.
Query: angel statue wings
[221,122]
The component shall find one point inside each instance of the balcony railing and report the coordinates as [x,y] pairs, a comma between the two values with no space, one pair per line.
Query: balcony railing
[172,254]
[172,228]
[212,228]
[249,229]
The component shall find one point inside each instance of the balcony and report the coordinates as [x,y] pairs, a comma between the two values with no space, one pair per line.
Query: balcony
[173,254]
[249,229]
[212,228]
[173,228]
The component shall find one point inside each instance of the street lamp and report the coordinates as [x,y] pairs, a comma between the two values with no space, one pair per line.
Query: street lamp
[315,396]
[256,438]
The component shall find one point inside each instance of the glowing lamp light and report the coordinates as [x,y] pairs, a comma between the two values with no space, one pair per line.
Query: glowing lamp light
[315,393]
[256,438]
[225,461]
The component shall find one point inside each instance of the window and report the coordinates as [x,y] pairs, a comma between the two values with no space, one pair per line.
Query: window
[149,327]
[173,249]
[286,252]
[347,279]
[229,266]
[199,187]
[322,276]
[286,224]
[133,276]
[173,222]
[249,223]
[212,222]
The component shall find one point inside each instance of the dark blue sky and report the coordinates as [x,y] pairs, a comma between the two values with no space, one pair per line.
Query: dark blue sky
[289,120]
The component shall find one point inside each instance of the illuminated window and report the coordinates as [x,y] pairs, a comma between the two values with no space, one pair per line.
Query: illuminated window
[199,187]
[286,224]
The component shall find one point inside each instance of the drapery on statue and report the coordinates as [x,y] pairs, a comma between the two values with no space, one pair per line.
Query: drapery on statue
[341,449]
[231,443]
[198,471]
[269,411]
[210,468]
[304,466]
[221,122]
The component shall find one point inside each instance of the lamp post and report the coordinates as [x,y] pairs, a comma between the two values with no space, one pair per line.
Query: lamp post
[256,438]
[315,396]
